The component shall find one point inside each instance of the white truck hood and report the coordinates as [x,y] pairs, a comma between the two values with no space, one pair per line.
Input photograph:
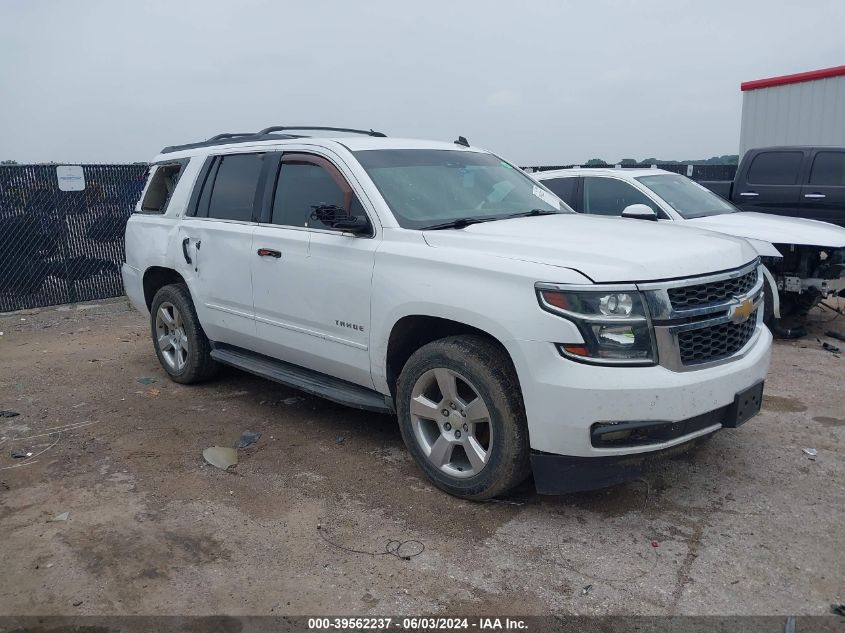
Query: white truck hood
[775,229]
[605,249]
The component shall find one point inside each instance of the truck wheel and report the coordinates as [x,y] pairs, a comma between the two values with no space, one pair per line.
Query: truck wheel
[180,343]
[462,417]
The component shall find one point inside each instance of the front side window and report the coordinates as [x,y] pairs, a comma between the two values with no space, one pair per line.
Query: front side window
[686,197]
[426,187]
[564,188]
[233,190]
[828,169]
[775,168]
[304,184]
[610,196]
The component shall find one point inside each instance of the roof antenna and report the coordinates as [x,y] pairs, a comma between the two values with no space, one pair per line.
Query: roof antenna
[462,141]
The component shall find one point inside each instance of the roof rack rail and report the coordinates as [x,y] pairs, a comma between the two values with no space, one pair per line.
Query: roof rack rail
[281,128]
[267,134]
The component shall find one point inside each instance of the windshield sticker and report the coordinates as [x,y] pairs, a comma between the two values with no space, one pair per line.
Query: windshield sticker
[546,197]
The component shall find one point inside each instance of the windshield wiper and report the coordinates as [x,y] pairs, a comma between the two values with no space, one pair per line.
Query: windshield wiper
[460,223]
[533,213]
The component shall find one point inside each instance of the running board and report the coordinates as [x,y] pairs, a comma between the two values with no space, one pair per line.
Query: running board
[306,380]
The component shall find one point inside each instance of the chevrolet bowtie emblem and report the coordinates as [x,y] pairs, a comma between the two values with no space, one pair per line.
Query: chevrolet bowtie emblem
[742,311]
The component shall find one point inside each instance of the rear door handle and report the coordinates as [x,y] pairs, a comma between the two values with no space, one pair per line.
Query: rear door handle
[749,194]
[815,196]
[185,249]
[269,252]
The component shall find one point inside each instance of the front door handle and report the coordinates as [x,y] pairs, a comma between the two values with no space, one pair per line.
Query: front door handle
[815,196]
[269,252]
[185,249]
[749,194]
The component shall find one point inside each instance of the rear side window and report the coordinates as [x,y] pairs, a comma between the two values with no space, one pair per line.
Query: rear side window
[828,169]
[564,188]
[775,168]
[162,185]
[609,196]
[232,194]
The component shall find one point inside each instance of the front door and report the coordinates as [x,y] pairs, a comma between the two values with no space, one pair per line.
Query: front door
[311,284]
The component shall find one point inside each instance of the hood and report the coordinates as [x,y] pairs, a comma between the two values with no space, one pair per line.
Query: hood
[605,249]
[776,229]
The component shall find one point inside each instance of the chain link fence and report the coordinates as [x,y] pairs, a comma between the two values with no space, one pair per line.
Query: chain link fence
[63,246]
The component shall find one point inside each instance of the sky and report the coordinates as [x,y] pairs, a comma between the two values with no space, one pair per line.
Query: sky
[540,82]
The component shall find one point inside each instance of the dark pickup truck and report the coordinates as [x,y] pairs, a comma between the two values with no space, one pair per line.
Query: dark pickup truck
[798,181]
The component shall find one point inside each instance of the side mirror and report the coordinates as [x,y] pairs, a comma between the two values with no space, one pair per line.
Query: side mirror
[639,212]
[338,218]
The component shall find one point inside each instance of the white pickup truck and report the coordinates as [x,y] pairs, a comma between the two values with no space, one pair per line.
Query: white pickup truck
[804,259]
[437,282]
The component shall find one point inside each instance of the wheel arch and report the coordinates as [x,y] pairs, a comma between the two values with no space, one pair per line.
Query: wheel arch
[411,332]
[155,278]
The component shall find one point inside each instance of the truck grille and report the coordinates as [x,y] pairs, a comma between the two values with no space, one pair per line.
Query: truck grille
[712,292]
[712,343]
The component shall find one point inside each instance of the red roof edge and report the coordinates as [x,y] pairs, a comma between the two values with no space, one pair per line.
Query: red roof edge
[783,80]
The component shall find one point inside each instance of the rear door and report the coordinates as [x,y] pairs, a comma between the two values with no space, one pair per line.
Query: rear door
[312,284]
[823,197]
[216,244]
[772,183]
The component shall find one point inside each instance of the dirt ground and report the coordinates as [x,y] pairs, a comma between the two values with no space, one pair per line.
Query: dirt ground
[748,524]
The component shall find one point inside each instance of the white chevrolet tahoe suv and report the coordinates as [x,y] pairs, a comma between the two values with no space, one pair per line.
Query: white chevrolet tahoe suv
[438,282]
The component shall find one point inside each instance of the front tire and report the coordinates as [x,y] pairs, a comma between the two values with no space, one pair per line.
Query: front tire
[462,417]
[180,343]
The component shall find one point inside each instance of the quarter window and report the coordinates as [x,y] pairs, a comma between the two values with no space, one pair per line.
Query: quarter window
[775,168]
[828,169]
[609,196]
[233,192]
[161,187]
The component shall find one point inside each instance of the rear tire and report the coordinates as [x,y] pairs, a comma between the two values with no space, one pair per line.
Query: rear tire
[180,343]
[462,417]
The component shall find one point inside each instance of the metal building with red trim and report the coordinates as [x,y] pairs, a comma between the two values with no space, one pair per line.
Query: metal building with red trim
[802,109]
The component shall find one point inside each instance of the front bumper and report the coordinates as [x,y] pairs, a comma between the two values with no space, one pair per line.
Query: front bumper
[564,399]
[563,474]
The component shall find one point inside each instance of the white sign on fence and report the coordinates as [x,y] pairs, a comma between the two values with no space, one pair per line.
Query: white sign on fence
[71,177]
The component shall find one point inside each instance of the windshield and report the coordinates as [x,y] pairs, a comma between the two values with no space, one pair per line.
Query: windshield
[687,197]
[425,187]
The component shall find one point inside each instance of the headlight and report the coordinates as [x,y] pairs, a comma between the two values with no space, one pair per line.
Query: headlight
[613,322]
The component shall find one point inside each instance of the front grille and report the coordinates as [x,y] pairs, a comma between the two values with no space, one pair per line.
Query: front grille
[712,292]
[712,343]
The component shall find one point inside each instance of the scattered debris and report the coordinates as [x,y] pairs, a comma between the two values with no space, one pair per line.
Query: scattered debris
[9,414]
[221,457]
[20,454]
[59,518]
[811,452]
[153,392]
[655,544]
[586,590]
[835,335]
[146,380]
[827,346]
[789,627]
[248,438]
[392,547]
[339,439]
[293,400]
[838,609]
[77,603]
